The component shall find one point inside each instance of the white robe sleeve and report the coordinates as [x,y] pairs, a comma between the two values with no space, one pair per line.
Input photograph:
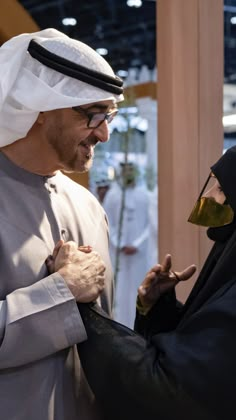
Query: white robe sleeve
[37,321]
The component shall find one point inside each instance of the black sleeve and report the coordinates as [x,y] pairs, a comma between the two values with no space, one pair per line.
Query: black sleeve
[133,378]
[163,317]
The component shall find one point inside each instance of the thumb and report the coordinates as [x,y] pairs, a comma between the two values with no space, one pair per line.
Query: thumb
[57,248]
[50,264]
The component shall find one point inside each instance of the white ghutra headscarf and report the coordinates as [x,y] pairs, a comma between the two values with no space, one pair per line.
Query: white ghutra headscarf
[29,85]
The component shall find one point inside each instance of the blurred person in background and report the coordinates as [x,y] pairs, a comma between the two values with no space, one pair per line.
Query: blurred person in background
[128,239]
[102,187]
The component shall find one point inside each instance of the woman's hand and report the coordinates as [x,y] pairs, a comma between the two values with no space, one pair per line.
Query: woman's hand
[159,280]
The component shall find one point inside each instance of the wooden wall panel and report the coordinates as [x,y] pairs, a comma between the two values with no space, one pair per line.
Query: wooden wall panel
[14,20]
[190,132]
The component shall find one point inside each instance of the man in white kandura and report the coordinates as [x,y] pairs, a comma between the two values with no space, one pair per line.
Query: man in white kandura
[57,96]
[133,247]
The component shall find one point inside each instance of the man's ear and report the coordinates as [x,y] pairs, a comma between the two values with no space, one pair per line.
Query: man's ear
[41,118]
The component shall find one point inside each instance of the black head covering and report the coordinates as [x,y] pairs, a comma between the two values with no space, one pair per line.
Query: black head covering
[223,253]
[225,171]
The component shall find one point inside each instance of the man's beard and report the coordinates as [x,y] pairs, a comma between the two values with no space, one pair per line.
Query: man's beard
[79,162]
[83,167]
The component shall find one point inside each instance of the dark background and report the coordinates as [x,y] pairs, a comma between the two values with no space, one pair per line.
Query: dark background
[129,33]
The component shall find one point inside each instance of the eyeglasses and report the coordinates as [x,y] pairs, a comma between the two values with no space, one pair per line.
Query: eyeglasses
[95,119]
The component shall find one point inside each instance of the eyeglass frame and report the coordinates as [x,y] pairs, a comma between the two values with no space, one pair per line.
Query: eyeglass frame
[90,115]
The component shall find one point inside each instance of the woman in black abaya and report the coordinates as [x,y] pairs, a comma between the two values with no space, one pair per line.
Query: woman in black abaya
[180,362]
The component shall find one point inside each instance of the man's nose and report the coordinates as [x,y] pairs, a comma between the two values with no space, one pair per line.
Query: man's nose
[102,132]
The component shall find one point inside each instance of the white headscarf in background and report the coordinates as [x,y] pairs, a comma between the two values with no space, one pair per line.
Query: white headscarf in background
[28,87]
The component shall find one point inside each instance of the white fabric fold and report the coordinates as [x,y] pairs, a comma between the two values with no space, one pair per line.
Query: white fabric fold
[28,87]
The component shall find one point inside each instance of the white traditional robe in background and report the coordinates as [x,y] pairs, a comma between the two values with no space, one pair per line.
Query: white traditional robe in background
[135,231]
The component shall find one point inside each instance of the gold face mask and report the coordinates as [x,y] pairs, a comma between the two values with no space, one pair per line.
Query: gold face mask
[207,212]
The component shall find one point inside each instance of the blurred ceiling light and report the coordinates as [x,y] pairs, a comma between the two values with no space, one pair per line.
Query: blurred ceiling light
[69,21]
[122,73]
[128,110]
[233,20]
[102,51]
[134,3]
[229,120]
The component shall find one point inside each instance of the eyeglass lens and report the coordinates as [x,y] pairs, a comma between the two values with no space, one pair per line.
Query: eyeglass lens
[98,118]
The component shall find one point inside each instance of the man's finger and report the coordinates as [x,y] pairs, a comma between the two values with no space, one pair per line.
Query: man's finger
[50,264]
[56,249]
[85,248]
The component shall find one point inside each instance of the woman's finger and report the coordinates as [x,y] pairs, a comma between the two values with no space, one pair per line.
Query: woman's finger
[166,265]
[187,273]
